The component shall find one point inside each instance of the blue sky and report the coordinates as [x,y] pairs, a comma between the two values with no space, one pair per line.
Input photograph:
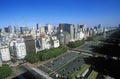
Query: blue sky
[30,12]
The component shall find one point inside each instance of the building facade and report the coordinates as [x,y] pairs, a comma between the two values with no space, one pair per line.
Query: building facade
[5,53]
[68,28]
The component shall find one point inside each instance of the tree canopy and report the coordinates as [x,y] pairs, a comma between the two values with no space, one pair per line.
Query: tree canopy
[45,54]
[75,44]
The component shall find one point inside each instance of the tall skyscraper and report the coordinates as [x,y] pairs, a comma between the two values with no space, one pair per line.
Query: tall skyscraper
[10,29]
[99,28]
[61,36]
[55,29]
[99,25]
[60,28]
[83,28]
[6,29]
[16,29]
[48,28]
[24,29]
[104,31]
[78,28]
[0,32]
[68,28]
[119,25]
[42,29]
[38,26]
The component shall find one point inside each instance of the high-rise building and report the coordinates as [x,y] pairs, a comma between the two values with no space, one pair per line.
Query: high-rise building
[18,48]
[99,30]
[79,28]
[5,53]
[0,32]
[60,28]
[91,32]
[33,32]
[68,28]
[42,30]
[66,37]
[61,38]
[38,26]
[16,29]
[119,25]
[74,33]
[24,29]
[104,31]
[54,42]
[99,25]
[48,28]
[6,30]
[10,29]
[55,29]
[83,28]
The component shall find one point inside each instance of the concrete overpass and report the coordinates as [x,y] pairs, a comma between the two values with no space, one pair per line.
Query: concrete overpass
[36,72]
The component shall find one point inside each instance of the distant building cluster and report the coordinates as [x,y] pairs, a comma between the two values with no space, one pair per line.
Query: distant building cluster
[17,43]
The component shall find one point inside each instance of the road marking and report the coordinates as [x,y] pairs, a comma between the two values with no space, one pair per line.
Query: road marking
[47,67]
[61,66]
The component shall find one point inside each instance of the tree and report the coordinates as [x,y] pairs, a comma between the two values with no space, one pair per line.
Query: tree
[75,44]
[53,52]
[45,54]
[32,58]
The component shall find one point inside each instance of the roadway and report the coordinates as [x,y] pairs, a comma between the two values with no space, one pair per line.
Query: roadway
[64,66]
[70,68]
[89,45]
[68,64]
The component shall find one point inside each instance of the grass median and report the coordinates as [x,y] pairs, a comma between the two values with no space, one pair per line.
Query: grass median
[92,75]
[79,72]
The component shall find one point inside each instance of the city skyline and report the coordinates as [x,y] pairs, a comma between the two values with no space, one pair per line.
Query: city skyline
[30,12]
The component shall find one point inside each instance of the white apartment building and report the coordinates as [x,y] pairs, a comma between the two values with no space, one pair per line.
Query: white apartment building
[80,35]
[44,42]
[5,53]
[19,48]
[48,28]
[55,42]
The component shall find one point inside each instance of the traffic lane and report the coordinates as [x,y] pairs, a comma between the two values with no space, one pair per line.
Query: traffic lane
[44,69]
[60,61]
[88,46]
[57,62]
[70,68]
